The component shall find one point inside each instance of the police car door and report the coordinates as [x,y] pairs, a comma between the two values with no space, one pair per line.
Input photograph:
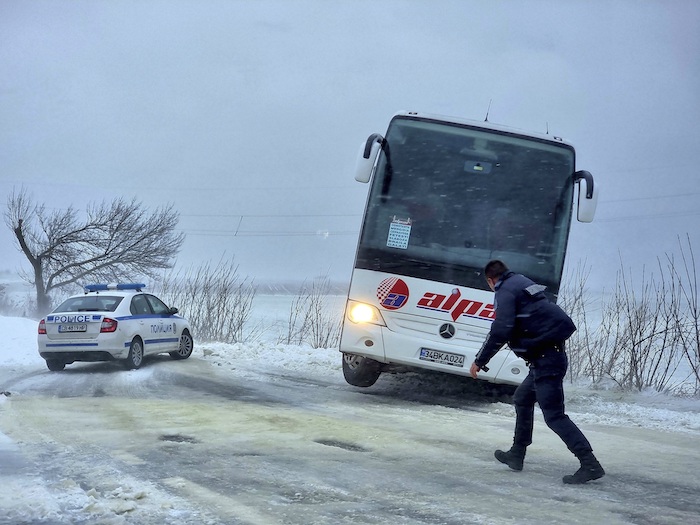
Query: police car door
[147,324]
[165,328]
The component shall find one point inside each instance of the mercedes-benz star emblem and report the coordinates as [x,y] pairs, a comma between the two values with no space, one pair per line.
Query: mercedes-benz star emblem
[447,331]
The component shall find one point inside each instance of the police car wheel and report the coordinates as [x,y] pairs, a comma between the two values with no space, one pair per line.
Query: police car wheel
[55,365]
[135,357]
[361,371]
[185,348]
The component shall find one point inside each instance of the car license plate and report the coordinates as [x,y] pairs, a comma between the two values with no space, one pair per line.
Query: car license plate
[66,328]
[445,358]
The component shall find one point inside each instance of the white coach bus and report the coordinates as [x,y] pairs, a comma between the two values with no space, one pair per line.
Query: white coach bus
[445,197]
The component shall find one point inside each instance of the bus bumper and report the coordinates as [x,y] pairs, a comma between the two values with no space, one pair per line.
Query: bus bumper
[385,346]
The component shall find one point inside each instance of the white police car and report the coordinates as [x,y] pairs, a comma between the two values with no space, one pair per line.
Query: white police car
[112,322]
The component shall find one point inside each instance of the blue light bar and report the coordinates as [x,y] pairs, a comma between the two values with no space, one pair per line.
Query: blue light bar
[131,286]
[95,287]
[120,286]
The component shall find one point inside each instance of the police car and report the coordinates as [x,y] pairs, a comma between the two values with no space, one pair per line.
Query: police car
[112,322]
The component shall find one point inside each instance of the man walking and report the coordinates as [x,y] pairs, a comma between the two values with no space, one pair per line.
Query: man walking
[535,330]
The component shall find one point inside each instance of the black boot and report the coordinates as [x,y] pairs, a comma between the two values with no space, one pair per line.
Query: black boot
[590,470]
[513,457]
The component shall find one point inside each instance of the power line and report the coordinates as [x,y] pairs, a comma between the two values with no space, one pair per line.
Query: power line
[323,233]
[652,216]
[655,197]
[281,216]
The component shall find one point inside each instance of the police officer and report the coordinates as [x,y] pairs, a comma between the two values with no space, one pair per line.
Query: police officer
[535,329]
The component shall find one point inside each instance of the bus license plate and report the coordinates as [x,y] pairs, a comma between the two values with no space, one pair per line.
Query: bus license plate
[67,328]
[445,358]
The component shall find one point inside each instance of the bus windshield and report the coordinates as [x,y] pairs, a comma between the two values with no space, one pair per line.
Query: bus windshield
[446,198]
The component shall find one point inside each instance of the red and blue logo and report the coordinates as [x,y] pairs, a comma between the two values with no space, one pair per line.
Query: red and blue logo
[392,293]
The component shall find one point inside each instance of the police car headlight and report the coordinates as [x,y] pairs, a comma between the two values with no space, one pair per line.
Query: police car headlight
[364,313]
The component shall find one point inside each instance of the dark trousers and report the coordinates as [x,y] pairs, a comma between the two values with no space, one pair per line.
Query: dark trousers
[544,385]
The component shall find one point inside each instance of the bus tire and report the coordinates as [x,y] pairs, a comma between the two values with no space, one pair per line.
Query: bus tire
[361,371]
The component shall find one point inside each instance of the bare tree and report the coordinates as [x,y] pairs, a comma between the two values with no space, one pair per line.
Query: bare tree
[575,300]
[687,312]
[219,302]
[648,332]
[311,318]
[115,241]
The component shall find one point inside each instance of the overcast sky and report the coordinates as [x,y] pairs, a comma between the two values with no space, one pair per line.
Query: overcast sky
[247,115]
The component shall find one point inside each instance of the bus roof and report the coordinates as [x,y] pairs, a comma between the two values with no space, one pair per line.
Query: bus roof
[481,124]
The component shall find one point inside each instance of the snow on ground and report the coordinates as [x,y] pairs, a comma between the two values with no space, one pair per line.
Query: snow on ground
[263,360]
[19,347]
[586,405]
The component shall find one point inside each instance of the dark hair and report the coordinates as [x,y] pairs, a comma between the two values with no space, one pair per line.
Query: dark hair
[495,269]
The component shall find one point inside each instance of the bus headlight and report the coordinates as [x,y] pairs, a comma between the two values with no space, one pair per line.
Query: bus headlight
[364,313]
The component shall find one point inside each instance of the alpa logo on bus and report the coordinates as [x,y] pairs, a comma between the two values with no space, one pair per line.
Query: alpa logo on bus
[393,294]
[457,306]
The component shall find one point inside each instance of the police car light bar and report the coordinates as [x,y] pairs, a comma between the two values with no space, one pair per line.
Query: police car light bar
[114,286]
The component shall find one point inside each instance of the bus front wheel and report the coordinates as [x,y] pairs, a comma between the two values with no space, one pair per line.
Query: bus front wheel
[361,371]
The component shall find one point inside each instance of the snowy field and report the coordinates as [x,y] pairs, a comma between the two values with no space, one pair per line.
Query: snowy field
[28,499]
[645,410]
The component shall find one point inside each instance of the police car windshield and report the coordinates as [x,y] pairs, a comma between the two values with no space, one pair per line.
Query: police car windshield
[90,303]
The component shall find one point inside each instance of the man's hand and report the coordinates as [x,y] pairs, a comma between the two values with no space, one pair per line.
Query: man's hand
[474,370]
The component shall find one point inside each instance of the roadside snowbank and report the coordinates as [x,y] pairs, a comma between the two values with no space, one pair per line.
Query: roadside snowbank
[586,405]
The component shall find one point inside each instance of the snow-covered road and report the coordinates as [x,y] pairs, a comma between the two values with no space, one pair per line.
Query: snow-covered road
[195,443]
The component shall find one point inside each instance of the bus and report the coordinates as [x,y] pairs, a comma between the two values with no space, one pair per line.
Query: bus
[447,195]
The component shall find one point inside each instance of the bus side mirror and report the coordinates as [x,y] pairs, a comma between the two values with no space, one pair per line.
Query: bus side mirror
[367,157]
[587,196]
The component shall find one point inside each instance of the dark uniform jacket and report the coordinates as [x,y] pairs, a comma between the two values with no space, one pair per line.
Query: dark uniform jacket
[525,319]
